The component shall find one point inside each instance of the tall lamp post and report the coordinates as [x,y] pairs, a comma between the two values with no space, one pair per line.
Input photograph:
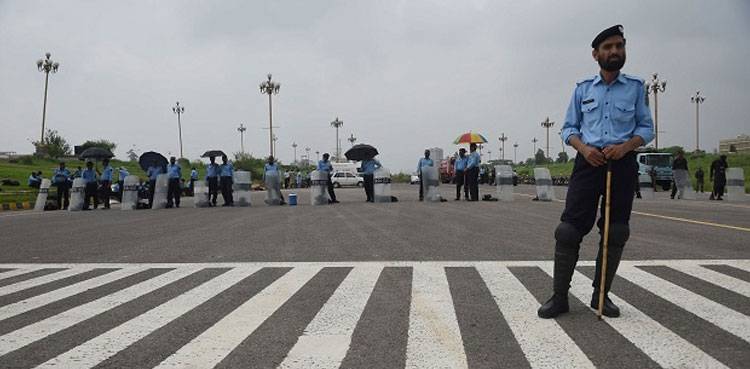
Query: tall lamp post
[352,139]
[242,130]
[336,124]
[269,88]
[656,86]
[294,145]
[46,65]
[547,124]
[562,142]
[307,150]
[515,153]
[534,140]
[697,99]
[318,154]
[179,110]
[502,139]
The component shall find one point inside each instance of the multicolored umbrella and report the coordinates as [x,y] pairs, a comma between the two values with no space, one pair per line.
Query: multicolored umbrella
[470,138]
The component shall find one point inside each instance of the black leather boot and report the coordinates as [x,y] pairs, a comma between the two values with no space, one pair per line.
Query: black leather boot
[565,263]
[614,254]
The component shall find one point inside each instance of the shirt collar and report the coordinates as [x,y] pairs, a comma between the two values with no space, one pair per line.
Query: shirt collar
[620,78]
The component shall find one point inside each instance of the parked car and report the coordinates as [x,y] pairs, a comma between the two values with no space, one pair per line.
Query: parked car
[346,178]
[414,178]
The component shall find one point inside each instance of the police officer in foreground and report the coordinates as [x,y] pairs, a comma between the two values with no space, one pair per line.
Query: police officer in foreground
[423,162]
[606,120]
[174,172]
[325,165]
[212,178]
[60,180]
[459,167]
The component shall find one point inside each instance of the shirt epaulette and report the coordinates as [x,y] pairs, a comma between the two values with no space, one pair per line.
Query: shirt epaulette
[633,78]
[585,80]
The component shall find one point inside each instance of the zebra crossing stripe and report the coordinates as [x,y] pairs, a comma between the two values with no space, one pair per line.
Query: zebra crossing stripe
[733,284]
[725,318]
[543,341]
[6,290]
[105,345]
[214,344]
[36,331]
[18,271]
[327,338]
[645,333]
[434,336]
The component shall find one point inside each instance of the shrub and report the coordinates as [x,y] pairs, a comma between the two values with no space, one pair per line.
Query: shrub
[26,160]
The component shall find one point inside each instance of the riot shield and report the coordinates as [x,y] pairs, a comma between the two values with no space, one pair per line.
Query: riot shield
[242,182]
[77,195]
[682,182]
[41,198]
[736,185]
[318,193]
[130,193]
[382,185]
[543,179]
[647,187]
[160,191]
[504,182]
[430,183]
[200,196]
[273,188]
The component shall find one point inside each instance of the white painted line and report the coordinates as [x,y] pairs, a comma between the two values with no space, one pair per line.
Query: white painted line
[34,332]
[543,341]
[645,333]
[327,338]
[41,280]
[722,280]
[18,270]
[100,348]
[717,314]
[434,336]
[214,344]
[31,303]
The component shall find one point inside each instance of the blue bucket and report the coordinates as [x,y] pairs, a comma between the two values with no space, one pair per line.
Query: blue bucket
[292,199]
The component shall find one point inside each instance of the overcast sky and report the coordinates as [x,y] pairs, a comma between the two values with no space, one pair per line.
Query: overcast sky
[402,75]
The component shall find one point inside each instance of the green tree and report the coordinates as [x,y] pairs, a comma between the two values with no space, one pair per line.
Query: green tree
[132,156]
[539,157]
[562,157]
[104,144]
[672,149]
[530,161]
[54,145]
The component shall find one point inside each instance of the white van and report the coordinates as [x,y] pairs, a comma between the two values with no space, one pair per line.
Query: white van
[346,167]
[346,178]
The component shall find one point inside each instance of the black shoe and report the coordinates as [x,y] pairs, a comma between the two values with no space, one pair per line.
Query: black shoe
[610,309]
[671,197]
[719,199]
[553,307]
[334,201]
[421,199]
[458,199]
[638,196]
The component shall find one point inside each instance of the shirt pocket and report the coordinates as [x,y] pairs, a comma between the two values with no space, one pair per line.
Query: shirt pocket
[624,113]
[590,112]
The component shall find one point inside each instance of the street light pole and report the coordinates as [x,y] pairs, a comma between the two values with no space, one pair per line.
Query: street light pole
[547,124]
[294,145]
[562,142]
[242,130]
[656,86]
[352,139]
[318,154]
[534,140]
[46,65]
[515,152]
[269,87]
[307,150]
[697,99]
[502,139]
[179,110]
[336,124]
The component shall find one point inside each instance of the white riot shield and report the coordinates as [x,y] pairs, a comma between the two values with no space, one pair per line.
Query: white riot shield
[504,182]
[130,193]
[543,179]
[430,183]
[273,188]
[318,193]
[77,195]
[647,188]
[160,191]
[382,185]
[242,182]
[41,198]
[736,184]
[682,181]
[200,194]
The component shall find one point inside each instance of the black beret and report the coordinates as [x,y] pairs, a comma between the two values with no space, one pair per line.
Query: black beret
[609,32]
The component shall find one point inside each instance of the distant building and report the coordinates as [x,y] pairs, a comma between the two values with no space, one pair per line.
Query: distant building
[741,144]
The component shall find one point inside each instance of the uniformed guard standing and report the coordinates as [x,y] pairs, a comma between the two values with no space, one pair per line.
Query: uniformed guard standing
[60,180]
[368,175]
[152,173]
[699,174]
[91,185]
[606,120]
[423,162]
[459,168]
[106,178]
[718,174]
[678,163]
[212,177]
[193,178]
[174,172]
[226,174]
[271,166]
[472,173]
[325,165]
[121,174]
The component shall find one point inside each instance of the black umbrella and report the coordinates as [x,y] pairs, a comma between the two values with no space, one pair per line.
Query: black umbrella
[210,153]
[147,159]
[96,153]
[361,152]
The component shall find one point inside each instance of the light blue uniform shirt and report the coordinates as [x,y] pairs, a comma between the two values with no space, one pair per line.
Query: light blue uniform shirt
[460,163]
[60,175]
[227,170]
[325,166]
[268,168]
[603,115]
[89,176]
[423,162]
[473,160]
[154,172]
[33,179]
[299,178]
[212,170]
[174,171]
[121,174]
[369,166]
[107,174]
[194,175]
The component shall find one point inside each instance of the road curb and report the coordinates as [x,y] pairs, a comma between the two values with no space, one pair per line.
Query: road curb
[16,206]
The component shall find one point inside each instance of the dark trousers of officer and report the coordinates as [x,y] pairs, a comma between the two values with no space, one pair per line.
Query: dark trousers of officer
[461,182]
[719,183]
[151,191]
[421,187]
[106,192]
[213,189]
[226,190]
[699,185]
[192,187]
[173,192]
[90,191]
[369,180]
[331,194]
[471,181]
[62,193]
[121,189]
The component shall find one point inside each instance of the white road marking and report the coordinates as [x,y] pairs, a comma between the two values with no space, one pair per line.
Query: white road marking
[27,268]
[719,279]
[41,280]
